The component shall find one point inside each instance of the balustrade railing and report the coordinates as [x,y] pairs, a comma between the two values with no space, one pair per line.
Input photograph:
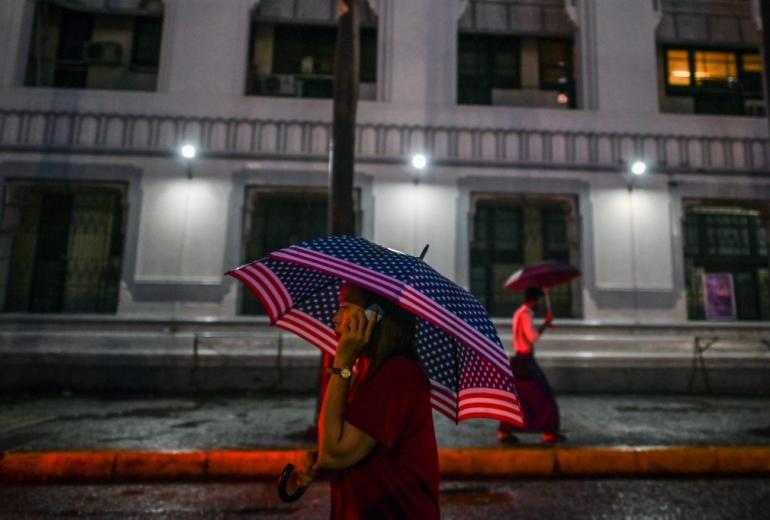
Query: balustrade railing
[137,134]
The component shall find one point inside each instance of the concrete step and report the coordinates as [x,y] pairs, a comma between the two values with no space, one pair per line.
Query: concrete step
[154,354]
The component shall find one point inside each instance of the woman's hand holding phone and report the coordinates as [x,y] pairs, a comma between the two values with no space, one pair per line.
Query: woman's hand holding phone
[356,332]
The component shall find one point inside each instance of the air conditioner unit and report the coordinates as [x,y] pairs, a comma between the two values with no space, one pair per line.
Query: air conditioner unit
[103,53]
[280,85]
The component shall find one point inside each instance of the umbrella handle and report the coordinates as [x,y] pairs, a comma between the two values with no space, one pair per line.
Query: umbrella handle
[283,481]
[547,300]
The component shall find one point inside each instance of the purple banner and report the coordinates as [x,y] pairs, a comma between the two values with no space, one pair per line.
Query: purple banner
[719,296]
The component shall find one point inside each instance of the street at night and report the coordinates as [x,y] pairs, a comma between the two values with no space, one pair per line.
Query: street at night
[472,259]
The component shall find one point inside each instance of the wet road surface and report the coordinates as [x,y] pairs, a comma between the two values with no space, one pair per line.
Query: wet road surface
[563,499]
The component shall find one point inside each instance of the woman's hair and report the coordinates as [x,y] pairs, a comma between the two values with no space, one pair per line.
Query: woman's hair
[394,335]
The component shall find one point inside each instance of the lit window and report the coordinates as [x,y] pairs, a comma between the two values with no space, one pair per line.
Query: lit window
[715,67]
[678,68]
[752,63]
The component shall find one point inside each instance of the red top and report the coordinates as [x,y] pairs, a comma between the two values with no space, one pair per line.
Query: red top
[399,478]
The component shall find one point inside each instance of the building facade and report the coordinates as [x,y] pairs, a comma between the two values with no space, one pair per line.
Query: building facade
[530,113]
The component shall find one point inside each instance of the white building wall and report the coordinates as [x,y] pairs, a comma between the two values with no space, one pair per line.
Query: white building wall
[626,239]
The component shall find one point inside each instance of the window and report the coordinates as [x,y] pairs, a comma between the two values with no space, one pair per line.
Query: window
[719,81]
[555,58]
[490,71]
[556,70]
[80,45]
[751,73]
[678,68]
[62,247]
[510,232]
[727,239]
[278,218]
[145,50]
[298,60]
[75,30]
[486,63]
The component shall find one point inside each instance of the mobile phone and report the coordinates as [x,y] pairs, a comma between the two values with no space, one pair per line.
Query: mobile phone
[373,308]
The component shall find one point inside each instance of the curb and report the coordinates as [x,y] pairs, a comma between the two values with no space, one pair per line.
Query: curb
[470,463]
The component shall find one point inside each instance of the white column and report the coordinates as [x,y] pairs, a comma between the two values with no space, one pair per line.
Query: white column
[410,215]
[16,27]
[633,230]
[617,54]
[205,45]
[421,39]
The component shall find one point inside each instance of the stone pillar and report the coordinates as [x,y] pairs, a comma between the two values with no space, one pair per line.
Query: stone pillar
[616,54]
[204,47]
[421,56]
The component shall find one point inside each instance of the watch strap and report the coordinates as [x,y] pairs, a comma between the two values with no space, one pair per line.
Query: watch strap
[343,372]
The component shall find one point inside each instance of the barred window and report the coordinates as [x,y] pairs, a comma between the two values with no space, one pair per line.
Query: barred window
[509,232]
[62,246]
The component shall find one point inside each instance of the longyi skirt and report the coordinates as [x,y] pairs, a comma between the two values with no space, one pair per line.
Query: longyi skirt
[541,413]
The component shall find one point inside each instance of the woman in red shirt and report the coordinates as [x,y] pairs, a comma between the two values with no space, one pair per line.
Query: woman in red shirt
[375,429]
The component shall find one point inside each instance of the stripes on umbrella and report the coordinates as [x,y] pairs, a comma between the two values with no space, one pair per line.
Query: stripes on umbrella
[485,402]
[407,296]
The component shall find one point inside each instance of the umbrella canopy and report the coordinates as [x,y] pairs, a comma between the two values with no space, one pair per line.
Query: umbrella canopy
[458,344]
[543,275]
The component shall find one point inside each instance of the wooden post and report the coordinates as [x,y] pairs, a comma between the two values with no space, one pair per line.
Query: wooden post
[764,6]
[342,148]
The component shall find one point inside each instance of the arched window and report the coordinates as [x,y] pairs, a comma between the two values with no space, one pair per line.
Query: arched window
[291,49]
[709,59]
[95,44]
[516,53]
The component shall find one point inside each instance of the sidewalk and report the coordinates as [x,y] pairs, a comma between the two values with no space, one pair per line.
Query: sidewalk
[83,438]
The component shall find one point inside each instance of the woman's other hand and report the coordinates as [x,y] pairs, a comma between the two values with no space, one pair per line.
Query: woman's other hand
[308,472]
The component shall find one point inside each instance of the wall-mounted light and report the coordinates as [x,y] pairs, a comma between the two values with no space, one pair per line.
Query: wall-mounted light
[188,151]
[639,168]
[419,161]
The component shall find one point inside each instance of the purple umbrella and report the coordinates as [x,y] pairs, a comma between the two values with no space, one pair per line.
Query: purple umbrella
[543,275]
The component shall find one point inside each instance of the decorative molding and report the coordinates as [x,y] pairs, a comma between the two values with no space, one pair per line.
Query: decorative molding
[462,6]
[657,9]
[571,7]
[123,134]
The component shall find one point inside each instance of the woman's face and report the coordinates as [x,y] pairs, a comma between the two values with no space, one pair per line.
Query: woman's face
[348,295]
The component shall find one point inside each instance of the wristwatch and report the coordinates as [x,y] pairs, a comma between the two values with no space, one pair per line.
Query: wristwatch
[343,372]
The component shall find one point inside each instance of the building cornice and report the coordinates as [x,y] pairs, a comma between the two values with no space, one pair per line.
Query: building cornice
[158,135]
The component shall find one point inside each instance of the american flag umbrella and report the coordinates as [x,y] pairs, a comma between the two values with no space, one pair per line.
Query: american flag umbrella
[468,368]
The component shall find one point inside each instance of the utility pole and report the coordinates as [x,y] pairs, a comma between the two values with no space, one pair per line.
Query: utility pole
[764,13]
[342,157]
[342,147]
[764,7]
